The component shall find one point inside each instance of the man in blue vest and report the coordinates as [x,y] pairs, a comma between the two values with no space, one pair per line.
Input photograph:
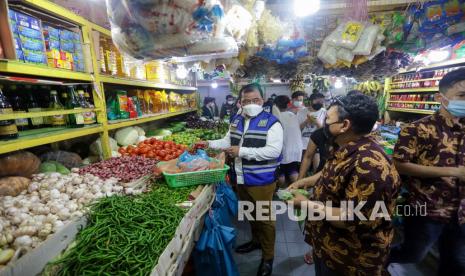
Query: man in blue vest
[255,141]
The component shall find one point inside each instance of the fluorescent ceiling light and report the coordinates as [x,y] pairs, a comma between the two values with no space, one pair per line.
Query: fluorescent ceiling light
[306,7]
[214,85]
[338,84]
[435,56]
[181,72]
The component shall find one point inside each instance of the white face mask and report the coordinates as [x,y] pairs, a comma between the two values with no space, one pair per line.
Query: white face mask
[230,102]
[298,103]
[252,110]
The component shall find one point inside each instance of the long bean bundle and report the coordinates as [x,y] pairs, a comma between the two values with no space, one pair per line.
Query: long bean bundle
[125,235]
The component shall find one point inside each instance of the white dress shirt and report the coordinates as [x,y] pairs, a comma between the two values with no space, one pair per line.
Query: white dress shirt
[271,151]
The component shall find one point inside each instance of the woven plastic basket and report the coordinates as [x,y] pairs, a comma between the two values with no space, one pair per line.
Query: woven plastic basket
[177,180]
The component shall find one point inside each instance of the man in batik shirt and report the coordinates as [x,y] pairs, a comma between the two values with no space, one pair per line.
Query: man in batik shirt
[431,153]
[358,171]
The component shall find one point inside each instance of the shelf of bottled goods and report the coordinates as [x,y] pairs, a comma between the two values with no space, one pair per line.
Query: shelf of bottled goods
[42,136]
[420,80]
[418,111]
[22,115]
[32,138]
[415,90]
[414,102]
[143,83]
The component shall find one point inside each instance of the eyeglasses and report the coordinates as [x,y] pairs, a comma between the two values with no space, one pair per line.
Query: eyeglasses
[252,101]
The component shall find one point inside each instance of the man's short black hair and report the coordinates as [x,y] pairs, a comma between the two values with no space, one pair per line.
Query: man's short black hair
[316,96]
[450,79]
[229,97]
[208,100]
[360,109]
[298,94]
[282,101]
[251,87]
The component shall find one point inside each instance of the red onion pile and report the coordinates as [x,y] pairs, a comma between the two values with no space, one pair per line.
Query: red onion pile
[126,168]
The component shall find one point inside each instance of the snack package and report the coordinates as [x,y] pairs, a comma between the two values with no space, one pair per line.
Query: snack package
[122,104]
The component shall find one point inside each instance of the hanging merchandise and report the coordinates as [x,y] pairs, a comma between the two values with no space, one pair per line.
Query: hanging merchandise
[164,29]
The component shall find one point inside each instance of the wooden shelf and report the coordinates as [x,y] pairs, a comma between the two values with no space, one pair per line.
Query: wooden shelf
[418,111]
[17,67]
[43,136]
[22,115]
[415,90]
[148,118]
[418,102]
[420,80]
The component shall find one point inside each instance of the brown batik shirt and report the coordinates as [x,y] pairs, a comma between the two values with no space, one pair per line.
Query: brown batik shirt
[434,141]
[358,171]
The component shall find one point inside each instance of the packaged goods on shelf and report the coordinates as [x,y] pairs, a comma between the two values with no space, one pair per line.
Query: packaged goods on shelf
[28,37]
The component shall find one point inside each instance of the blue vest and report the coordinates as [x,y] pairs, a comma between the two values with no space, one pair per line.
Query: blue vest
[256,173]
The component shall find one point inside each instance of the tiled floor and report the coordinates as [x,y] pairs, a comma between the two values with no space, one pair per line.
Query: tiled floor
[289,250]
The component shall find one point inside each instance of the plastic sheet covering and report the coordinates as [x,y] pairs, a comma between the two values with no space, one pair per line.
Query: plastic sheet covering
[158,29]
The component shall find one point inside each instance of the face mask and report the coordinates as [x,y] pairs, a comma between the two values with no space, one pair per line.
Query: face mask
[252,110]
[327,131]
[230,102]
[317,106]
[456,108]
[297,103]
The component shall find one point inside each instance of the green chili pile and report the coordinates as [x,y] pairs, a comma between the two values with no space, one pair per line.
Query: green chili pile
[125,235]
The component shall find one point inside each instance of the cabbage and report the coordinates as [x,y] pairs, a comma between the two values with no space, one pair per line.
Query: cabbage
[96,147]
[140,131]
[126,136]
[141,139]
[159,132]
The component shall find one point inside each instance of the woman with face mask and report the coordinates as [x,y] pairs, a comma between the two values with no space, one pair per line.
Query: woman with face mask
[255,141]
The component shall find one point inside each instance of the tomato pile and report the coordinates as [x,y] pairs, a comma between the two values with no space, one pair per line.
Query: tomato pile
[153,148]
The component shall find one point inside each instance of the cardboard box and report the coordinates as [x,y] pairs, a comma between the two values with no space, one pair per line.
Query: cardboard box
[27,21]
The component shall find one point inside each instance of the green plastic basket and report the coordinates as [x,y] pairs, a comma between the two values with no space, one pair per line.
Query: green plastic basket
[177,180]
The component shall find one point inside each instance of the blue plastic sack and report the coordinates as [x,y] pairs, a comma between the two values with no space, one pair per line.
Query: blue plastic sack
[213,251]
[225,204]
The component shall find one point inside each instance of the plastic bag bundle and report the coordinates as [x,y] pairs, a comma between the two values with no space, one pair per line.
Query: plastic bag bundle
[367,40]
[155,29]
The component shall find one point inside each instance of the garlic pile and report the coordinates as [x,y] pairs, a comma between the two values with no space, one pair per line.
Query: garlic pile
[48,204]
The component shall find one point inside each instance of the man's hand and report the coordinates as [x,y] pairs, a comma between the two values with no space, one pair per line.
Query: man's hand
[311,119]
[296,185]
[298,199]
[233,151]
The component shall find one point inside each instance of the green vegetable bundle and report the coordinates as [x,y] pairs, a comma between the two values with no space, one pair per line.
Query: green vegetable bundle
[125,235]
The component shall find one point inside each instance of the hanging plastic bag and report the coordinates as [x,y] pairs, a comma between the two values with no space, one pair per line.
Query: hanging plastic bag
[345,55]
[154,29]
[327,53]
[366,41]
[213,251]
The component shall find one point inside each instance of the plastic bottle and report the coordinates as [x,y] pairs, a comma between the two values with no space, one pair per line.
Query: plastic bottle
[88,116]
[33,106]
[74,120]
[8,129]
[19,106]
[90,104]
[55,104]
